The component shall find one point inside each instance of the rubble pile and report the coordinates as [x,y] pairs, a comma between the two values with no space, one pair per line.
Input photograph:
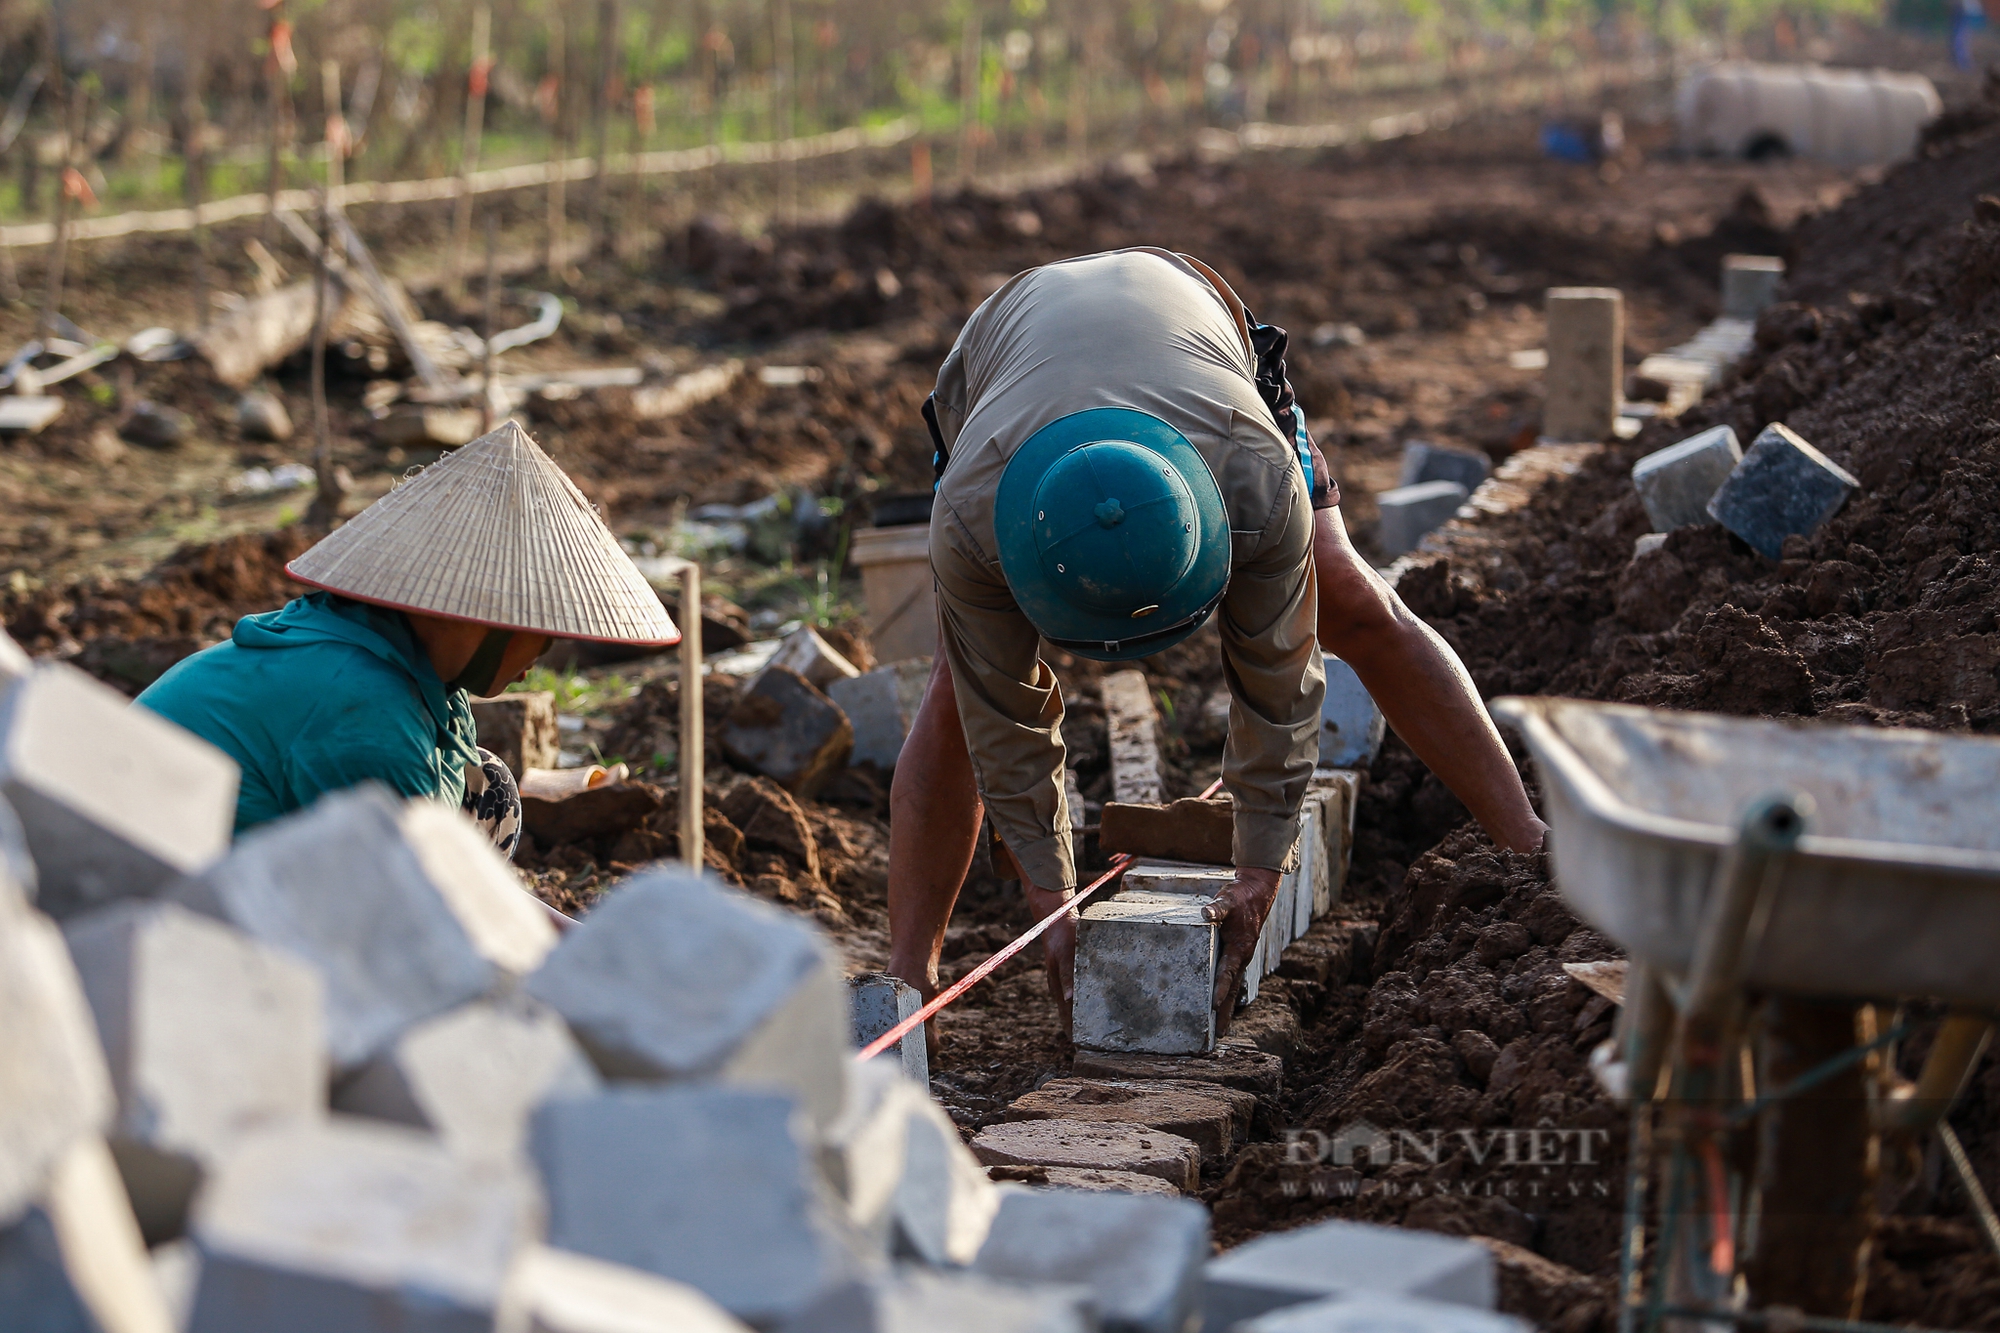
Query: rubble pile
[347,1075]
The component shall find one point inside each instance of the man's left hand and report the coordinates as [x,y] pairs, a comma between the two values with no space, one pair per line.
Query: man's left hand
[1241,909]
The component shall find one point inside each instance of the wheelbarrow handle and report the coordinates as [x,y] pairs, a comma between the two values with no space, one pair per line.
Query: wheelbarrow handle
[1737,909]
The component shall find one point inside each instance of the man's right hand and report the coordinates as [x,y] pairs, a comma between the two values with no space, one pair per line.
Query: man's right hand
[1240,909]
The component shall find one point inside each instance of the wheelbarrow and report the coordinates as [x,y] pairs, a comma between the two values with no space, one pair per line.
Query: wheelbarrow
[1778,886]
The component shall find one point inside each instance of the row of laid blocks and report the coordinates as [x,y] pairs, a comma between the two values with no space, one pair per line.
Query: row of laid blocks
[1146,957]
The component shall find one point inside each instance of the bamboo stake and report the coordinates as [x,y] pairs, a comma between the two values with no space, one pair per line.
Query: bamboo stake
[692,741]
[468,152]
[558,200]
[486,405]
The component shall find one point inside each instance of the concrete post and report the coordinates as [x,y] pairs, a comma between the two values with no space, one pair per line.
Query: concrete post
[1586,341]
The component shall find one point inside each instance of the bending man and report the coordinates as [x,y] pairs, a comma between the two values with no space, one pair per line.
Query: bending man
[1120,459]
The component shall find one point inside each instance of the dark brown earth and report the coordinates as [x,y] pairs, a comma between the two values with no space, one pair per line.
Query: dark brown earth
[1459,1017]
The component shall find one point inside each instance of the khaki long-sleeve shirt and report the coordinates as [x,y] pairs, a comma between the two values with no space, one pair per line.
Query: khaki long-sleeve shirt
[1159,333]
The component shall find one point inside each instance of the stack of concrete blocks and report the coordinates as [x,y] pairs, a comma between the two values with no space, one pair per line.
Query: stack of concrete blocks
[1147,956]
[1749,284]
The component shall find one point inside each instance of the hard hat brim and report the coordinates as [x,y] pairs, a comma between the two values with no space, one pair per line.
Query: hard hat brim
[1101,637]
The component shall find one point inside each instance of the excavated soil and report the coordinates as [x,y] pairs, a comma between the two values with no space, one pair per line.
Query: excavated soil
[1459,1016]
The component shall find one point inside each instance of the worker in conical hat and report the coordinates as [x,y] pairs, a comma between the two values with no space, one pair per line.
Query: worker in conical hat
[449,586]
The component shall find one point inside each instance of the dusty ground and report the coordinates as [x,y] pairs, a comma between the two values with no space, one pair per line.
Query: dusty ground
[1437,250]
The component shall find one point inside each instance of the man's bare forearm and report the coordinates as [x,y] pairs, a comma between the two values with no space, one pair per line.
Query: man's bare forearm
[1421,687]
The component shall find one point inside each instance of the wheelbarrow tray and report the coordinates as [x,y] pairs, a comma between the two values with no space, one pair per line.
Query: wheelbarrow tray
[1893,891]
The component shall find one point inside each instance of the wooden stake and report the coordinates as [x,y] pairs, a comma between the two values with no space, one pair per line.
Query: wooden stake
[487,407]
[79,102]
[558,207]
[325,507]
[468,151]
[692,740]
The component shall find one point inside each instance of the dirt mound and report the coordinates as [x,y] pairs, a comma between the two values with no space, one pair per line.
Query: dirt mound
[1885,616]
[127,633]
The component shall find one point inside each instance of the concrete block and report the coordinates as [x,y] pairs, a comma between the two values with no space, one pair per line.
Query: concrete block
[115,801]
[1145,976]
[519,727]
[908,1181]
[1185,830]
[1310,889]
[356,1226]
[1783,486]
[73,1262]
[1370,1312]
[1087,1178]
[1351,727]
[1428,462]
[877,1002]
[1334,1258]
[1676,483]
[1216,1119]
[1586,374]
[54,1088]
[1133,723]
[1407,513]
[473,1076]
[715,1187]
[1343,788]
[209,1035]
[899,589]
[1228,1065]
[915,1301]
[881,704]
[787,730]
[17,864]
[261,415]
[805,652]
[1175,877]
[1141,1257]
[404,907]
[1094,1145]
[14,661]
[177,1270]
[553,1291]
[674,976]
[1749,283]
[27,414]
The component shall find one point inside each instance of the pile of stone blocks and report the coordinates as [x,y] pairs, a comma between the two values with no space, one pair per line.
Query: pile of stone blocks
[1781,487]
[807,712]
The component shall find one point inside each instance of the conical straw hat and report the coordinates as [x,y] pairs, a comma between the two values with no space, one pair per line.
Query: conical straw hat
[492,533]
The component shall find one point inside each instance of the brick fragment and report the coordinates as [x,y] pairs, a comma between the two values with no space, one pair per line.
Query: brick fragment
[1215,1118]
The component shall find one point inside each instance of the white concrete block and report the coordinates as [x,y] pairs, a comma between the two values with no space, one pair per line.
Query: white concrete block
[1406,513]
[675,976]
[54,1088]
[17,863]
[1141,1255]
[1586,374]
[115,801]
[1676,483]
[882,704]
[404,907]
[1333,1258]
[877,1002]
[1311,892]
[712,1186]
[14,661]
[1351,727]
[355,1226]
[1181,877]
[1373,1312]
[909,1182]
[177,1271]
[209,1035]
[805,652]
[74,1260]
[1424,462]
[554,1291]
[473,1076]
[1133,723]
[1342,789]
[915,1301]
[1145,975]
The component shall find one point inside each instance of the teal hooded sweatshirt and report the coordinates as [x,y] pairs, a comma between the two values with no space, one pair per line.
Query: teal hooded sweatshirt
[318,696]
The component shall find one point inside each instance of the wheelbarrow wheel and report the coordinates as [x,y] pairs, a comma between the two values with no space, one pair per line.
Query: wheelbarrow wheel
[1816,1165]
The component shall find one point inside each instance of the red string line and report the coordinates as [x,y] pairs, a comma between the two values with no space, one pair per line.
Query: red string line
[993,964]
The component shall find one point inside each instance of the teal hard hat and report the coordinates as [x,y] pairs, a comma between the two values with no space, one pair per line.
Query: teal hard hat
[1112,534]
